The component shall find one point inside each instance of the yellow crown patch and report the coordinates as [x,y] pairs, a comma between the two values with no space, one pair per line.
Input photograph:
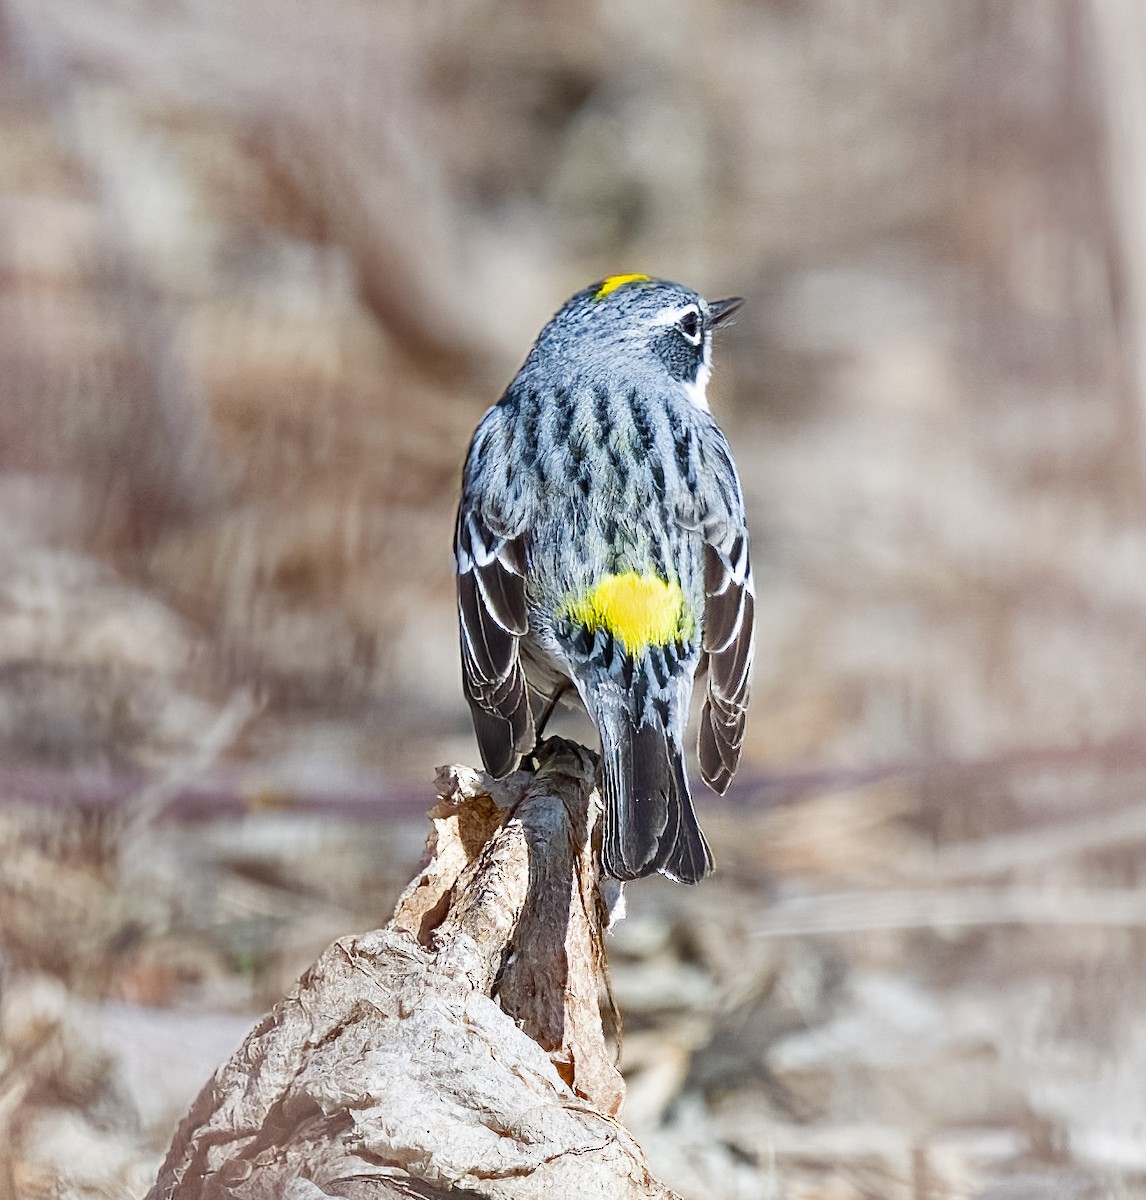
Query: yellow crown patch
[639,610]
[615,281]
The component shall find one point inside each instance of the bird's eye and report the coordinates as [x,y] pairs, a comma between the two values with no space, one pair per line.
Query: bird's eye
[689,325]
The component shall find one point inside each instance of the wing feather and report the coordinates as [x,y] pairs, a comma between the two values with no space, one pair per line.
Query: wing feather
[491,557]
[503,594]
[729,624]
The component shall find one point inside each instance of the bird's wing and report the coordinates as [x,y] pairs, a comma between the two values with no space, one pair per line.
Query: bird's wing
[490,554]
[729,615]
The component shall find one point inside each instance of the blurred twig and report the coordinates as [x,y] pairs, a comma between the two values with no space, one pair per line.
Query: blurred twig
[1037,847]
[147,804]
[860,912]
[1120,27]
[212,794]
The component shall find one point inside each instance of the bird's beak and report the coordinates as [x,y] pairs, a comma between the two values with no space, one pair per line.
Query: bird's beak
[720,310]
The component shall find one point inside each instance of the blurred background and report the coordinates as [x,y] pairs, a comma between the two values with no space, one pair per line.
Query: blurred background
[264,263]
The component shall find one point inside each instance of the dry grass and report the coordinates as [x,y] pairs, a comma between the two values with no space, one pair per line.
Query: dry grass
[261,268]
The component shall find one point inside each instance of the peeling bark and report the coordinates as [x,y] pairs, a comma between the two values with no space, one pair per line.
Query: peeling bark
[458,1051]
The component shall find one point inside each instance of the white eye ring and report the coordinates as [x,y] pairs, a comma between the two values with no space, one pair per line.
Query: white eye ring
[690,324]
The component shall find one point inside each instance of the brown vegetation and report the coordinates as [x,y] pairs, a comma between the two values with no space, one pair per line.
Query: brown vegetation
[262,264]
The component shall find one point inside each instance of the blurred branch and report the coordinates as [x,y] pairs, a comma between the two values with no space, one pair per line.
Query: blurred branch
[861,912]
[149,802]
[457,1051]
[210,795]
[1036,847]
[1120,26]
[388,236]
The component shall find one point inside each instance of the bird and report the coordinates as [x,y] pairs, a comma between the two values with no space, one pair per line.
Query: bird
[602,555]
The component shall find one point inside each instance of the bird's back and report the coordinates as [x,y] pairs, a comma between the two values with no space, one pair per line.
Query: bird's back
[601,527]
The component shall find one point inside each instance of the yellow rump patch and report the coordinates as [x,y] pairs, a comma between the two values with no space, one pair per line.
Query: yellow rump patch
[615,281]
[639,610]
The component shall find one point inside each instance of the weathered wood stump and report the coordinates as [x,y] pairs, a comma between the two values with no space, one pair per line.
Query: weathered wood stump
[459,1051]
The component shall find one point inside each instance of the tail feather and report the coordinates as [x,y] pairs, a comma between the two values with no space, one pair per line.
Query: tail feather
[650,824]
[690,859]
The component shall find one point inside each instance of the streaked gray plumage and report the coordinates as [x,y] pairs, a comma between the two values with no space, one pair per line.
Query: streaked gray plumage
[601,539]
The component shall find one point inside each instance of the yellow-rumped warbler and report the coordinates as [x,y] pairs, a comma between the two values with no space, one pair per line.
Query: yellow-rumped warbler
[601,542]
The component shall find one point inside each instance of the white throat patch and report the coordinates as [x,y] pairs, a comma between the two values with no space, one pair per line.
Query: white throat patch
[697,389]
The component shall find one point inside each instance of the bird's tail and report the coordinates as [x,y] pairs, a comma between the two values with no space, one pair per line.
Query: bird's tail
[650,824]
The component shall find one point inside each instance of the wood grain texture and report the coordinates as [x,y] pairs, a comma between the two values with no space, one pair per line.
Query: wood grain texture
[459,1050]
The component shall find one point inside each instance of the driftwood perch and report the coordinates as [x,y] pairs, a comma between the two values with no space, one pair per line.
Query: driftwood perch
[459,1051]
